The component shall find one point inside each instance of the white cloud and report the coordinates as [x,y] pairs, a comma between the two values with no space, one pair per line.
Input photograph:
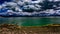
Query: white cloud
[10,12]
[56,0]
[50,0]
[11,4]
[20,3]
[18,9]
[26,0]
[51,11]
[1,7]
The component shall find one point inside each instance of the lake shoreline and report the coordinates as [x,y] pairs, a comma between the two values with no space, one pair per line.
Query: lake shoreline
[51,29]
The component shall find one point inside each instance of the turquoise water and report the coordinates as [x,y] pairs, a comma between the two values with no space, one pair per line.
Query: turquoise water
[29,21]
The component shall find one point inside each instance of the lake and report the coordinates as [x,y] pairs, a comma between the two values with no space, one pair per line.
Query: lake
[30,21]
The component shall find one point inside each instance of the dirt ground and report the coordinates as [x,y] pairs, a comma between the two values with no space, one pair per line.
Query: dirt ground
[14,29]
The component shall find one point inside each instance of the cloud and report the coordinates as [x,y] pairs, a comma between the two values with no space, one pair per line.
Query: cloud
[0,7]
[24,7]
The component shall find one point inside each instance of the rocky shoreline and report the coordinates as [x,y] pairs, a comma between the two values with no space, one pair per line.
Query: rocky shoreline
[15,29]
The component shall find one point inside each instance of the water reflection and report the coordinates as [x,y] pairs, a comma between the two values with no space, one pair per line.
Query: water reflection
[29,21]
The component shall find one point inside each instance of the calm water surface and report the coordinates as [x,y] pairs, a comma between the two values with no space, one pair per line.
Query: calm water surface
[29,21]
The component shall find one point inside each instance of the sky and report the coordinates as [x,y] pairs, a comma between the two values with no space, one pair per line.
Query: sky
[21,7]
